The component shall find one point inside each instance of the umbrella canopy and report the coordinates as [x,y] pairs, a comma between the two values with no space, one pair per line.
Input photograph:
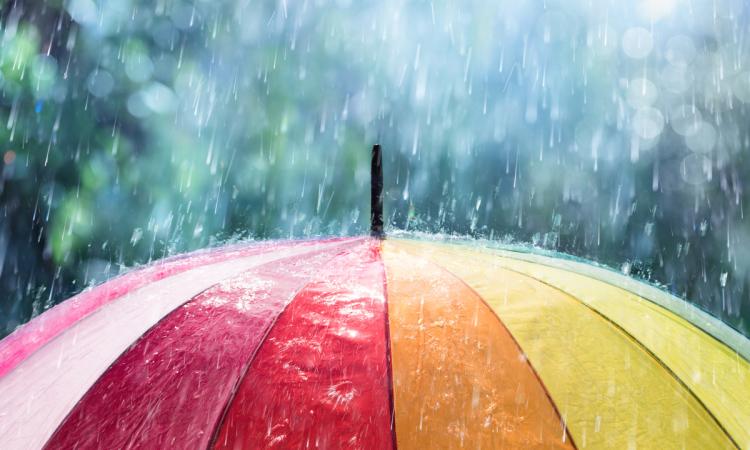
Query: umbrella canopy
[365,343]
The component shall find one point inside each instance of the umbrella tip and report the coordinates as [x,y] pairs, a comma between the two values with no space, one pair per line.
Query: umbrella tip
[376,193]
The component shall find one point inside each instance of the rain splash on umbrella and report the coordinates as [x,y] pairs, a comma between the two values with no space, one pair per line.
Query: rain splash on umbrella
[369,343]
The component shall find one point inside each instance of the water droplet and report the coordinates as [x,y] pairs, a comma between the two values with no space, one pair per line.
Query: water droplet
[696,169]
[685,119]
[83,11]
[100,83]
[642,92]
[637,42]
[703,139]
[648,123]
[680,50]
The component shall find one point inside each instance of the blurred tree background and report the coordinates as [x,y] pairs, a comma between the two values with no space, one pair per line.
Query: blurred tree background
[134,129]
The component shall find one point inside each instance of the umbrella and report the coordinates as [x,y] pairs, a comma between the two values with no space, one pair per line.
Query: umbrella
[374,343]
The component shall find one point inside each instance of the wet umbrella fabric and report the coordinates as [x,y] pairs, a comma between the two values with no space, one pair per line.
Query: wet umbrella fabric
[362,343]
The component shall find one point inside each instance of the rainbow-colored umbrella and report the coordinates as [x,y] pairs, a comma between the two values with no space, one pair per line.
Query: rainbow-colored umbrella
[372,344]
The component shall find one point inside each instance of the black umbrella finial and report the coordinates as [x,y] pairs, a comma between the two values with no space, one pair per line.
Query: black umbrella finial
[376,193]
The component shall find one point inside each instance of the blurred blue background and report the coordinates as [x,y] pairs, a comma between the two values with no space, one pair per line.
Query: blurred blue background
[615,131]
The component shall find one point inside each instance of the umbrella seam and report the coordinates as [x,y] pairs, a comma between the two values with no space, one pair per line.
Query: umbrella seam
[243,373]
[542,259]
[389,359]
[741,353]
[639,344]
[495,252]
[240,247]
[517,344]
[109,367]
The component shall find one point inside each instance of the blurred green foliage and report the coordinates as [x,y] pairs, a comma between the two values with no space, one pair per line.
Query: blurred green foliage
[135,129]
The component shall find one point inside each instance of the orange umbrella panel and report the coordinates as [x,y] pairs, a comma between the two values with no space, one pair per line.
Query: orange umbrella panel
[460,380]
